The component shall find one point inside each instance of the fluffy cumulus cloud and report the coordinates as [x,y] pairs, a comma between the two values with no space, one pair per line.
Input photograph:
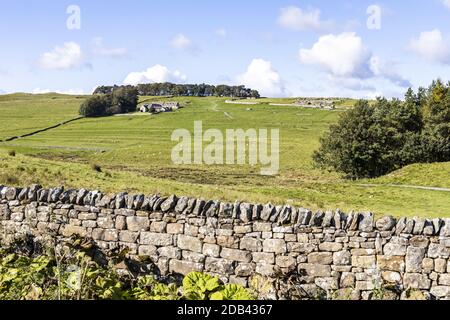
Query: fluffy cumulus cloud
[261,75]
[100,49]
[62,57]
[181,42]
[343,55]
[155,74]
[352,68]
[432,46]
[298,19]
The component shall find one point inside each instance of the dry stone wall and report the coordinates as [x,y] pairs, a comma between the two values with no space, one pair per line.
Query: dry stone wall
[336,252]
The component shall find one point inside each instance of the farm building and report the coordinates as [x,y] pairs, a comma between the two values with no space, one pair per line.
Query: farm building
[144,109]
[319,104]
[156,108]
[171,105]
[160,107]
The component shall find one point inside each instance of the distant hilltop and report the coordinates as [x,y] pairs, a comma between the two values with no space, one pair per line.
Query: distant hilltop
[188,90]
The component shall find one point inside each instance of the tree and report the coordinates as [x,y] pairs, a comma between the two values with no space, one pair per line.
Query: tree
[372,140]
[120,100]
[255,94]
[95,106]
[436,135]
[125,99]
[103,90]
[196,90]
[353,145]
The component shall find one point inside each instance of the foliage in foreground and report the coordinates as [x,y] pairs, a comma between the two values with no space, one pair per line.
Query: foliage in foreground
[69,272]
[73,275]
[372,140]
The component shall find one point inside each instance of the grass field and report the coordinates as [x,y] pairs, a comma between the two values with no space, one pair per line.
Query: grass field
[340,103]
[135,155]
[23,113]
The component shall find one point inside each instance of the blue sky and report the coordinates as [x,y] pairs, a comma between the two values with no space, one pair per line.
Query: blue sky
[282,48]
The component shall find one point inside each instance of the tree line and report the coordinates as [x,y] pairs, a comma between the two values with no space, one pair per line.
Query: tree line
[193,90]
[110,100]
[374,139]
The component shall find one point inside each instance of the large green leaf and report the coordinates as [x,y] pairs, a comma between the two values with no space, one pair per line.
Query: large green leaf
[198,286]
[232,292]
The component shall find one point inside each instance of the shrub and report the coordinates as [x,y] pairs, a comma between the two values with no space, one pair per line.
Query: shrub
[96,168]
[9,179]
[69,272]
[12,153]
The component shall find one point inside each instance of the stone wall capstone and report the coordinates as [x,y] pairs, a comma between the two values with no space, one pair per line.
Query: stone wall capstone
[331,251]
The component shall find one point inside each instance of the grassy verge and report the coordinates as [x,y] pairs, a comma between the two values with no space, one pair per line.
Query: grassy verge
[23,170]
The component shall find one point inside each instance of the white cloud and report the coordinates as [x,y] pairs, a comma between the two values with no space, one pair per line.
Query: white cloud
[446,3]
[431,46]
[69,91]
[328,85]
[222,32]
[155,74]
[343,55]
[65,57]
[351,67]
[99,49]
[181,42]
[297,19]
[380,68]
[260,75]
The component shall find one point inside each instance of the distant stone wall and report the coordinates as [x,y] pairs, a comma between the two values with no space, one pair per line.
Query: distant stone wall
[343,253]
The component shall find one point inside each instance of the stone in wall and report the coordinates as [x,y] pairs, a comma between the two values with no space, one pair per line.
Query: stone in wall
[341,253]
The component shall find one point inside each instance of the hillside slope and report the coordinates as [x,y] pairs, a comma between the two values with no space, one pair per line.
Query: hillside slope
[134,154]
[428,175]
[22,113]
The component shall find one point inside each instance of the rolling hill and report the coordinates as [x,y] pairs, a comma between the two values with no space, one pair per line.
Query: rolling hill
[134,153]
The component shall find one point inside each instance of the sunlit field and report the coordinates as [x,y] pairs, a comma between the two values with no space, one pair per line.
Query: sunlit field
[134,154]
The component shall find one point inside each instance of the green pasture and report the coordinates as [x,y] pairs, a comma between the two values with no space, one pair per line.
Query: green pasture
[134,152]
